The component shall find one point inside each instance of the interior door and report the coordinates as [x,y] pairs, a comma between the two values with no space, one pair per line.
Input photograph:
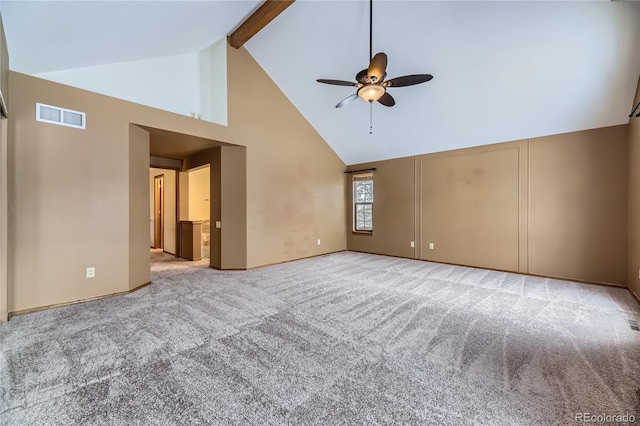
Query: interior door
[158,209]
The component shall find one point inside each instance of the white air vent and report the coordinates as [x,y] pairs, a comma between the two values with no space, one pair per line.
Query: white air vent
[60,116]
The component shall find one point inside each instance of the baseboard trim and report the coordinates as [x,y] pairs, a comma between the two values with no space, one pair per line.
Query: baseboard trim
[141,286]
[503,270]
[228,269]
[275,263]
[635,296]
[75,302]
[59,305]
[294,260]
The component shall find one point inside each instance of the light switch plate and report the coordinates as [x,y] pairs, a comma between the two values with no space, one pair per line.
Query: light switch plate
[218,224]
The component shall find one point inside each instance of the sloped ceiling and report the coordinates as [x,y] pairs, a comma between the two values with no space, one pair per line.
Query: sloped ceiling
[502,70]
[45,36]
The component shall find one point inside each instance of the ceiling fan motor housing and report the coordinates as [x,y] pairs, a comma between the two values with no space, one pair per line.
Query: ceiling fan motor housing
[363,77]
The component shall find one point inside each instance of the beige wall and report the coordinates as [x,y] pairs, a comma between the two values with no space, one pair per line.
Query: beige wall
[212,158]
[69,189]
[578,205]
[633,264]
[199,184]
[139,259]
[233,213]
[215,207]
[68,199]
[553,206]
[469,206]
[170,210]
[394,227]
[295,184]
[183,196]
[228,204]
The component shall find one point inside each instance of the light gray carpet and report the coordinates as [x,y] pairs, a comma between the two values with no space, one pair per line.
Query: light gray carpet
[347,338]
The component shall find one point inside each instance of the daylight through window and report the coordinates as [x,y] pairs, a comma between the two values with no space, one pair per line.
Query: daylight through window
[363,202]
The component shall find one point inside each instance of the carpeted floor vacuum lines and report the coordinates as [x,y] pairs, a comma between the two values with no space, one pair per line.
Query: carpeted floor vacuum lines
[347,338]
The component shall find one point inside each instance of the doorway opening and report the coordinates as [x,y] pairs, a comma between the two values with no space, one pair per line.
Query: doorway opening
[158,212]
[180,157]
[163,199]
[179,213]
[195,213]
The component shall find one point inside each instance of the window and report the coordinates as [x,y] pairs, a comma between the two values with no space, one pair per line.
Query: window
[363,203]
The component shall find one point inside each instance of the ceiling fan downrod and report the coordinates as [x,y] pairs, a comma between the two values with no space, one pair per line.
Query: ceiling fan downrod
[370,30]
[370,58]
[371,84]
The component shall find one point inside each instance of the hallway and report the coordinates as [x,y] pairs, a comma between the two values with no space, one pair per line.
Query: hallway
[160,257]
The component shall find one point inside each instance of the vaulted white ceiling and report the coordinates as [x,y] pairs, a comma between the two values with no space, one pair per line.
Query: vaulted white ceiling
[54,35]
[502,70]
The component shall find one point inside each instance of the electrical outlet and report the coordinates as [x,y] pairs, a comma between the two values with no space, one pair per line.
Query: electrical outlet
[431,246]
[218,224]
[413,244]
[91,272]
[318,241]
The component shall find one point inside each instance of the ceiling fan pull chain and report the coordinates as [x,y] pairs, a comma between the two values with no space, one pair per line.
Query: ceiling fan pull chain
[370,118]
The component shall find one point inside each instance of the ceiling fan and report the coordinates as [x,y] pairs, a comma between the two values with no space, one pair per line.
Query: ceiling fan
[371,82]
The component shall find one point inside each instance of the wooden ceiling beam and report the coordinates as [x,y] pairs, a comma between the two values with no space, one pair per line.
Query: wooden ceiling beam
[259,19]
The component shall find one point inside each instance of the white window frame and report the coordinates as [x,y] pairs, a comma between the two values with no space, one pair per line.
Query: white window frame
[359,178]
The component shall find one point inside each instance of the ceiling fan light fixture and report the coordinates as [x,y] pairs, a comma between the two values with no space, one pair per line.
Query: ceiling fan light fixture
[371,92]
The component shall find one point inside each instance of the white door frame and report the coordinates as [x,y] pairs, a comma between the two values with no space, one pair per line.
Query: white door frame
[4,204]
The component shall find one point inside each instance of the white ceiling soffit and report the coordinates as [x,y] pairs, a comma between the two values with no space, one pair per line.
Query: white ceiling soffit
[45,36]
[502,70]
